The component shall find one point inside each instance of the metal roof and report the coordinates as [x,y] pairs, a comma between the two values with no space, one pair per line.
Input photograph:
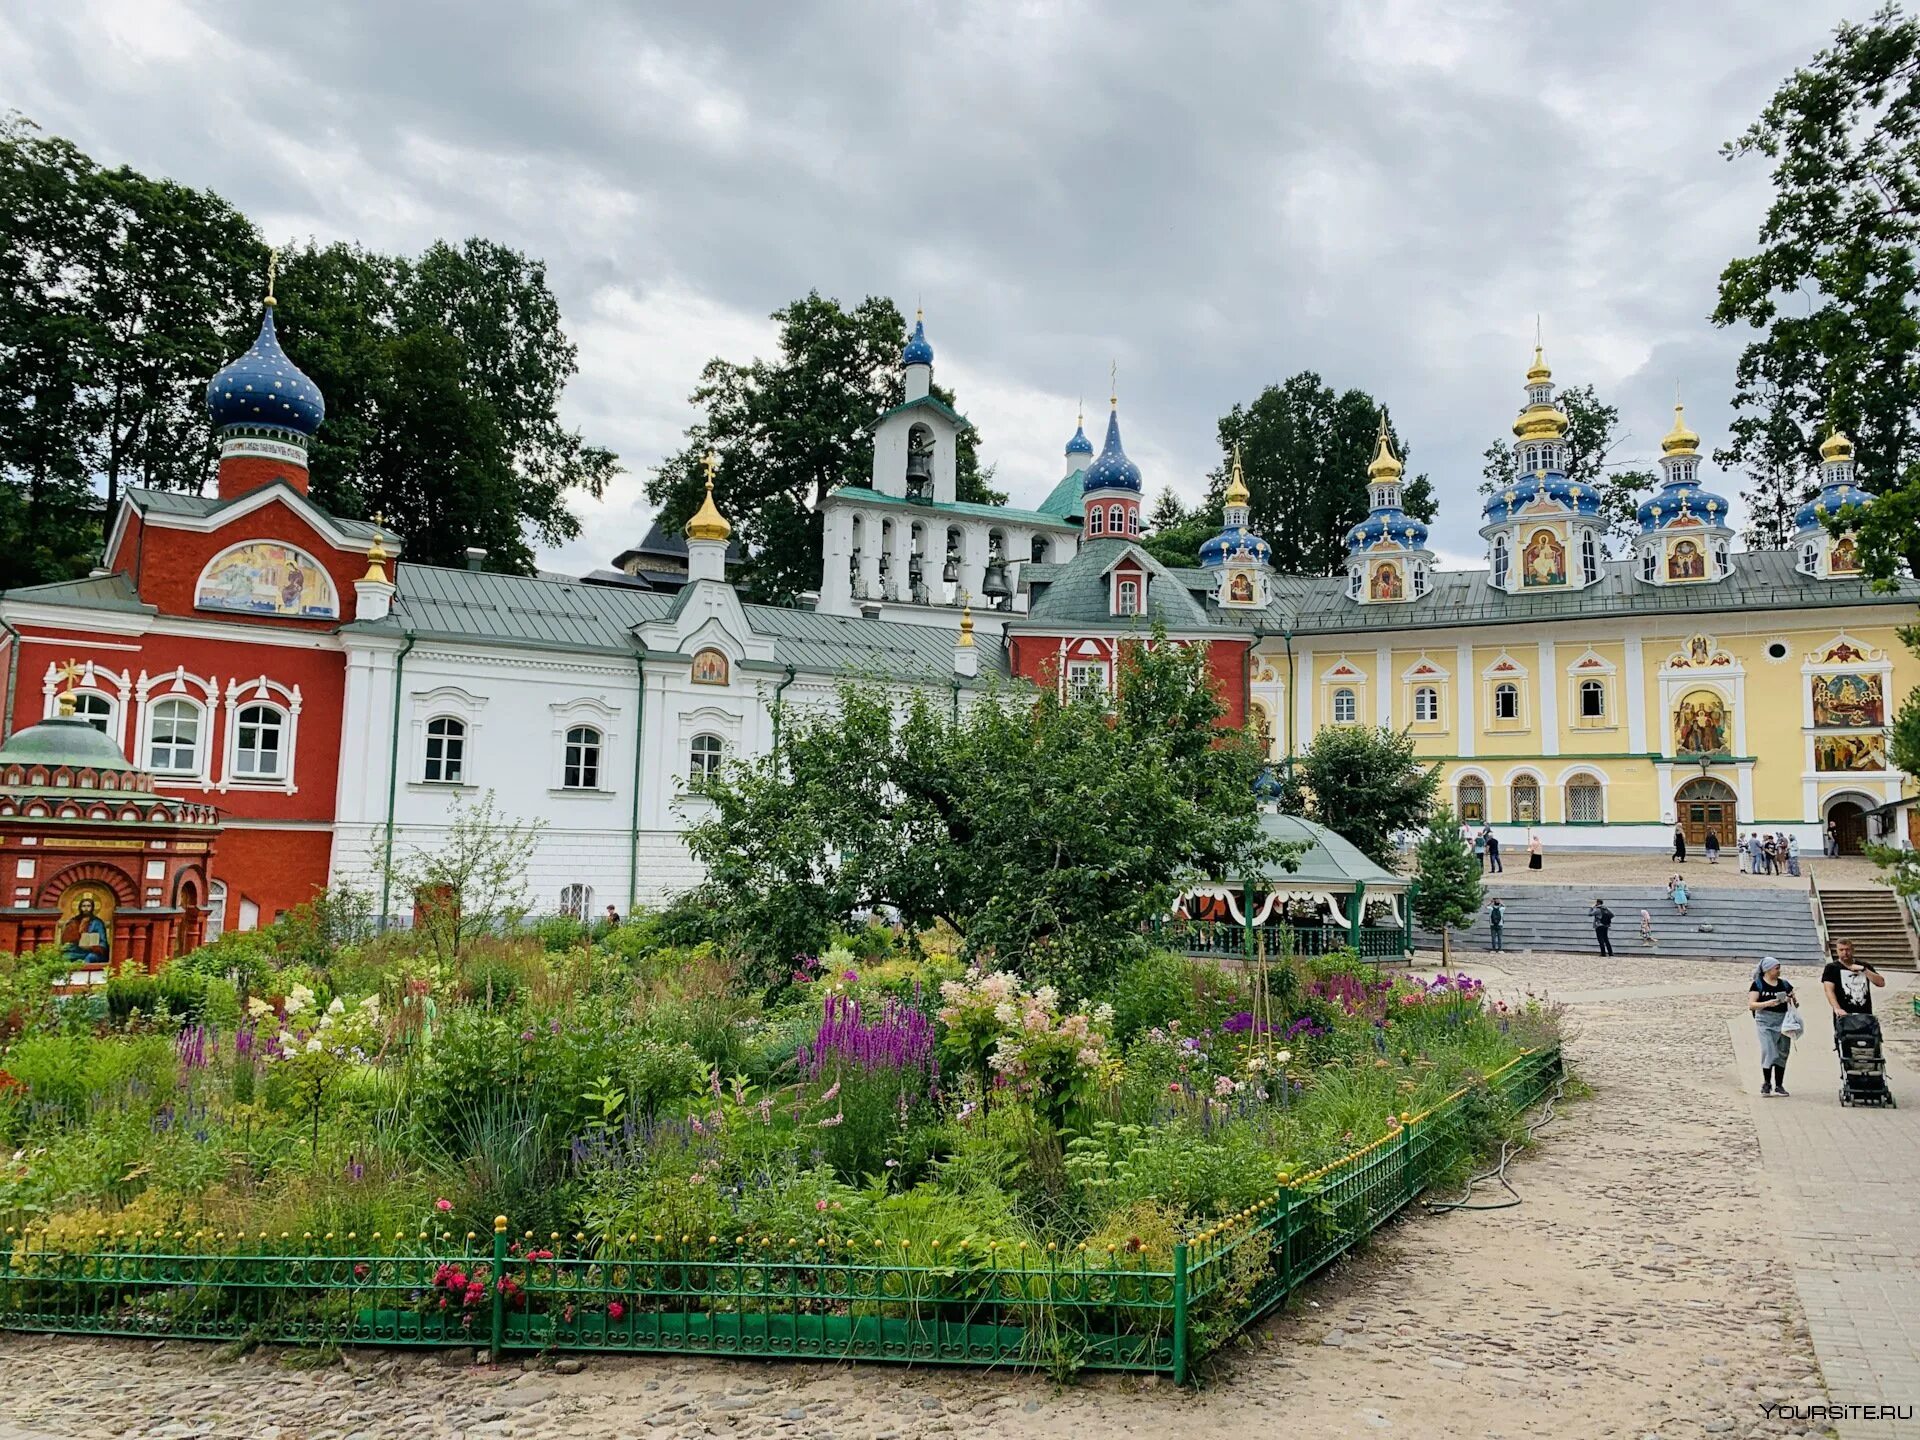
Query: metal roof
[95,592]
[173,502]
[863,495]
[1330,861]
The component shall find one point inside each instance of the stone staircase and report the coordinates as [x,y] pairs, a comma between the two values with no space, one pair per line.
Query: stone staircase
[1734,923]
[1871,917]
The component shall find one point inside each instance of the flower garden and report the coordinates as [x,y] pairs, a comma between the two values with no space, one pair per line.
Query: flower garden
[615,1141]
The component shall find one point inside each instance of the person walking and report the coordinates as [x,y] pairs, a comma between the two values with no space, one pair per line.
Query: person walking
[1677,893]
[1480,848]
[1770,998]
[1497,924]
[1533,849]
[1713,847]
[1646,930]
[1848,982]
[1494,866]
[1830,839]
[1793,854]
[1602,925]
[1679,845]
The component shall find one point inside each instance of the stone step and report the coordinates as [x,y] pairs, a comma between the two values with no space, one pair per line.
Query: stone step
[1721,923]
[1871,918]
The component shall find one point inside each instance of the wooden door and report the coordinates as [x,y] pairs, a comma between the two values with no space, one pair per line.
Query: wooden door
[1849,827]
[1706,807]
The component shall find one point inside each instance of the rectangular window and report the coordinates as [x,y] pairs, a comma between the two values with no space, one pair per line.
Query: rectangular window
[257,750]
[1593,700]
[1127,600]
[1506,702]
[1086,679]
[446,751]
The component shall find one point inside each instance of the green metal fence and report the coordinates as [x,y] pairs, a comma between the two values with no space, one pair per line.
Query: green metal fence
[748,1295]
[1223,938]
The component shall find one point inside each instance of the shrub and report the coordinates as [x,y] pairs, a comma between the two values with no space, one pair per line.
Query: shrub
[129,994]
[1154,989]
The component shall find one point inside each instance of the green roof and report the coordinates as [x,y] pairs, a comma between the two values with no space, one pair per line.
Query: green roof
[865,496]
[1077,593]
[64,740]
[1064,499]
[173,502]
[483,607]
[1330,861]
[928,402]
[95,592]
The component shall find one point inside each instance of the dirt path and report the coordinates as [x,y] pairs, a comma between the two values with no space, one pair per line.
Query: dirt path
[1634,1293]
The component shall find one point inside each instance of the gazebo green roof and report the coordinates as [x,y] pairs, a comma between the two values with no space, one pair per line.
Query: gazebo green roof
[64,740]
[1330,861]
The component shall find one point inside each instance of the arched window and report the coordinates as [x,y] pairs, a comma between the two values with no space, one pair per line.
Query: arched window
[1810,558]
[446,758]
[1354,581]
[1133,522]
[1649,562]
[1500,562]
[260,742]
[94,708]
[1471,798]
[1096,521]
[1346,709]
[1506,701]
[1525,796]
[1722,558]
[581,767]
[1116,518]
[1038,552]
[1593,699]
[1426,703]
[1586,801]
[703,760]
[173,746]
[1419,580]
[1589,558]
[576,901]
[1127,598]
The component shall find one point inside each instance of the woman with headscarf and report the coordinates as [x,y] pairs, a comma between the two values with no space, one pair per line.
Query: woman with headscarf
[1770,997]
[1533,850]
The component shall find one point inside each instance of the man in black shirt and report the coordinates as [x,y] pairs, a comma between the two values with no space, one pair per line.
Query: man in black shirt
[1603,926]
[1848,982]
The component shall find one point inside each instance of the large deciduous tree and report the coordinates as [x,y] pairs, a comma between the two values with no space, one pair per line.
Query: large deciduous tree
[1305,449]
[1366,783]
[1043,829]
[791,428]
[1593,444]
[1834,286]
[1175,533]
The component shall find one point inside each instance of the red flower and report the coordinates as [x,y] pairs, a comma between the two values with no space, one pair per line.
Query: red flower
[615,1310]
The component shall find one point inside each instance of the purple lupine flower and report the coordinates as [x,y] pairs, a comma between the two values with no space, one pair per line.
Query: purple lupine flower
[243,1042]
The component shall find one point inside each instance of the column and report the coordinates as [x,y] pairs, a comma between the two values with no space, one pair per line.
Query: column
[903,561]
[870,560]
[973,564]
[1384,685]
[1466,685]
[836,577]
[1549,704]
[1635,691]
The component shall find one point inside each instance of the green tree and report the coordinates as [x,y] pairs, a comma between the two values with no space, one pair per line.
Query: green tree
[1366,783]
[471,881]
[1833,283]
[1449,890]
[443,377]
[1593,443]
[1045,831]
[1305,450]
[790,429]
[1175,534]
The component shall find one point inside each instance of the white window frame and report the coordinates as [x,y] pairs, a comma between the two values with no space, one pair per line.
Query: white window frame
[1502,563]
[1116,519]
[1589,558]
[1126,596]
[113,686]
[706,753]
[1347,698]
[1419,579]
[1590,685]
[1426,693]
[266,719]
[1507,689]
[461,763]
[1810,558]
[202,725]
[1722,560]
[588,770]
[1650,563]
[1086,679]
[1514,783]
[576,901]
[177,684]
[1096,521]
[259,690]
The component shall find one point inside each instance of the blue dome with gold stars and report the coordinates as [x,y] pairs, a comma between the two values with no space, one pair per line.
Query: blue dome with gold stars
[1831,501]
[1688,502]
[1111,469]
[1506,503]
[264,389]
[1394,525]
[918,351]
[1230,542]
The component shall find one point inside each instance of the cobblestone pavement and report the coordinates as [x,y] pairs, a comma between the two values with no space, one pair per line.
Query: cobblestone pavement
[1644,1287]
[1646,869]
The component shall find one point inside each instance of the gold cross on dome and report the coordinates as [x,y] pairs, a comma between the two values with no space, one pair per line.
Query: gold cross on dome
[711,465]
[70,672]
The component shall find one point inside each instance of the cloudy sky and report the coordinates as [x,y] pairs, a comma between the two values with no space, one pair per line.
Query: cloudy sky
[1211,195]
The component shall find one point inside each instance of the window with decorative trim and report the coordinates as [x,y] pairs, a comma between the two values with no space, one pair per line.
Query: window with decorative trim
[445,761]
[175,733]
[1419,580]
[580,767]
[1589,558]
[1506,701]
[1086,679]
[1426,703]
[1471,800]
[1126,597]
[94,708]
[1810,558]
[576,902]
[1116,518]
[1096,521]
[1593,700]
[1649,562]
[704,754]
[1722,559]
[1354,581]
[1586,800]
[1500,562]
[1524,797]
[1346,706]
[1133,522]
[260,742]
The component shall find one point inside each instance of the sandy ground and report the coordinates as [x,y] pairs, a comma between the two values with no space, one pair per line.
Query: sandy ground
[1636,1292]
[1622,869]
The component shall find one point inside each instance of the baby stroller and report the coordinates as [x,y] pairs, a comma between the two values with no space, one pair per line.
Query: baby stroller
[1863,1068]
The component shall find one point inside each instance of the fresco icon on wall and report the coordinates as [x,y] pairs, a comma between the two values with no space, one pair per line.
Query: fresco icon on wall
[265,578]
[1700,724]
[1849,752]
[1847,702]
[1544,561]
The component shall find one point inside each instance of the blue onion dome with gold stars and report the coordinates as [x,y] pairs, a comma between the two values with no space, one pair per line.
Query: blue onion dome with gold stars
[1386,519]
[1235,540]
[1681,499]
[918,351]
[263,389]
[1839,490]
[1111,469]
[1079,447]
[1540,456]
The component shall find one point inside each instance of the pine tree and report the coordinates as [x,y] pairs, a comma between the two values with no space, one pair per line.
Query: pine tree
[1449,891]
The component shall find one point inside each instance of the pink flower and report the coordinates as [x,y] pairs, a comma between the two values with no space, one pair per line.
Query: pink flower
[443,1206]
[832,1091]
[819,1204]
[615,1310]
[1174,1089]
[831,1121]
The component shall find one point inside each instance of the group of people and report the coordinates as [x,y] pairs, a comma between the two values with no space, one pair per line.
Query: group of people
[1486,849]
[1775,854]
[1846,984]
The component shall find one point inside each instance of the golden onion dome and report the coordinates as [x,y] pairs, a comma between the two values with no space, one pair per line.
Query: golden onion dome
[1837,448]
[1237,492]
[1540,422]
[1680,440]
[707,522]
[1386,465]
[1538,373]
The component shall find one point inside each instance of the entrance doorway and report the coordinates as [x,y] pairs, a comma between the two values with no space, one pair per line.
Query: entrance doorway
[1706,807]
[1849,819]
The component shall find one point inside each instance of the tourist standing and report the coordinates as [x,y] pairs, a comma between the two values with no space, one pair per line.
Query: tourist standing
[1677,893]
[1602,925]
[1497,924]
[1646,930]
[1493,852]
[1713,847]
[1480,847]
[1679,845]
[1533,849]
[1770,998]
[1740,849]
[1848,982]
[1793,854]
[1830,838]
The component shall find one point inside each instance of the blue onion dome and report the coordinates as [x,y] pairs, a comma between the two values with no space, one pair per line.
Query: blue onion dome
[1506,504]
[1394,525]
[1080,444]
[1111,469]
[1690,502]
[1231,542]
[918,351]
[1833,500]
[1267,785]
[263,388]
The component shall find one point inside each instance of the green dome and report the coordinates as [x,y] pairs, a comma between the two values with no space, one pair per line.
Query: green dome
[64,740]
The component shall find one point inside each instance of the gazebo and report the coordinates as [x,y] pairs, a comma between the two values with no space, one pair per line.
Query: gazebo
[102,866]
[1334,898]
